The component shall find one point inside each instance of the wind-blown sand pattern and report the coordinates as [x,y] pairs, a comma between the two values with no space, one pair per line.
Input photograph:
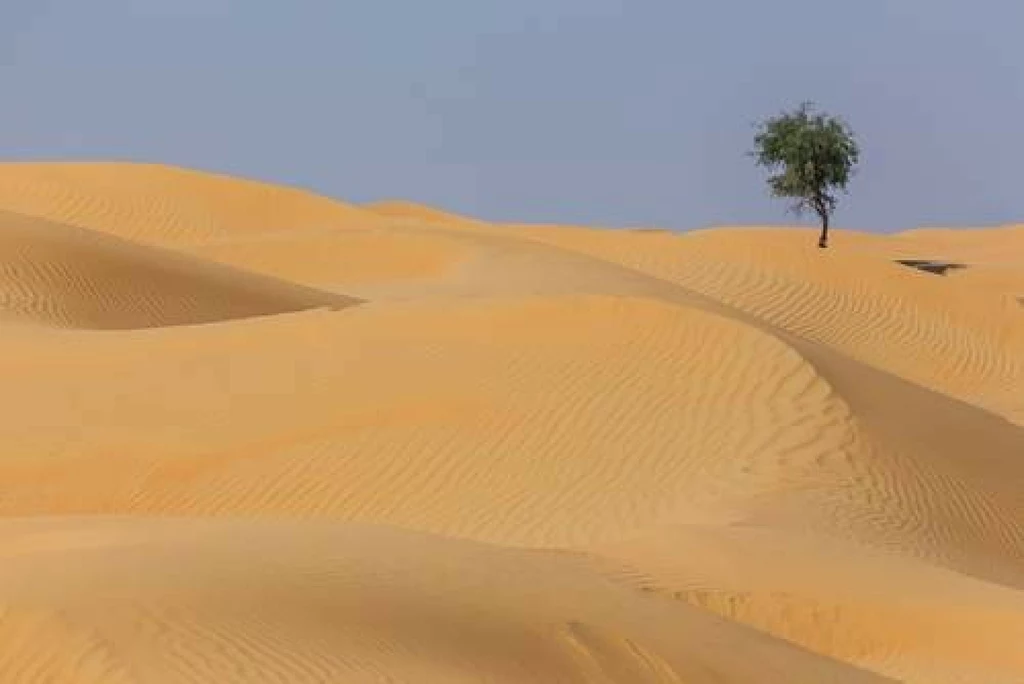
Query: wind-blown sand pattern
[255,435]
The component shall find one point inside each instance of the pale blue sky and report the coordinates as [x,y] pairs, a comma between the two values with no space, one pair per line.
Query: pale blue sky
[609,112]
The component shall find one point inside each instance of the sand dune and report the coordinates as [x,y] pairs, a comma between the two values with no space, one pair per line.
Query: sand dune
[876,609]
[137,600]
[165,205]
[529,453]
[857,301]
[67,277]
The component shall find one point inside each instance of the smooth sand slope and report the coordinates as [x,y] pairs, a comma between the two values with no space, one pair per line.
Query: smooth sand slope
[255,435]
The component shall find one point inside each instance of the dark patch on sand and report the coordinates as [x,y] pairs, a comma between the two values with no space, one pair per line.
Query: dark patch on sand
[931,266]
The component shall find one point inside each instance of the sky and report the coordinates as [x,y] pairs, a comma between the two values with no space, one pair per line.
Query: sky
[601,112]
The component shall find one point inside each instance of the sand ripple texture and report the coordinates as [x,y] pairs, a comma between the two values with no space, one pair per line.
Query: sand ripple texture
[251,434]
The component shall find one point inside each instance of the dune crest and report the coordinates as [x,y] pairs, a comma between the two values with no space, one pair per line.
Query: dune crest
[257,435]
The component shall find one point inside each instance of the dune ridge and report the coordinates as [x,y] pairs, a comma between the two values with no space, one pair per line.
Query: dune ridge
[164,205]
[529,453]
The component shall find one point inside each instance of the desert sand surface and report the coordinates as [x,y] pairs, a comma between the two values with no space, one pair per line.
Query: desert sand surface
[251,434]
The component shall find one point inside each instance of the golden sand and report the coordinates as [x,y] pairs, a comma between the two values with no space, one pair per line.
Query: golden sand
[255,435]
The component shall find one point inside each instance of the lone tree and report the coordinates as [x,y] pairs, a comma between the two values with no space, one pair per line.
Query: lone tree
[811,157]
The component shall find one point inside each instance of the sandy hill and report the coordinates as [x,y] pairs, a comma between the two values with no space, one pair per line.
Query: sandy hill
[68,277]
[409,446]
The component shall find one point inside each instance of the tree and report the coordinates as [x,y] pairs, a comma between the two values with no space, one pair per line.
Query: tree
[811,156]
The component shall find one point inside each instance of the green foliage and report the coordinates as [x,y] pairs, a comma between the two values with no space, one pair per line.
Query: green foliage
[811,155]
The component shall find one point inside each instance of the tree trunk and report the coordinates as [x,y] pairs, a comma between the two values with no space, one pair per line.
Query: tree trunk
[823,240]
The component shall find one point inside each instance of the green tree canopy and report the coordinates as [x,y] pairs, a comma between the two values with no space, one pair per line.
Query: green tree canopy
[812,156]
